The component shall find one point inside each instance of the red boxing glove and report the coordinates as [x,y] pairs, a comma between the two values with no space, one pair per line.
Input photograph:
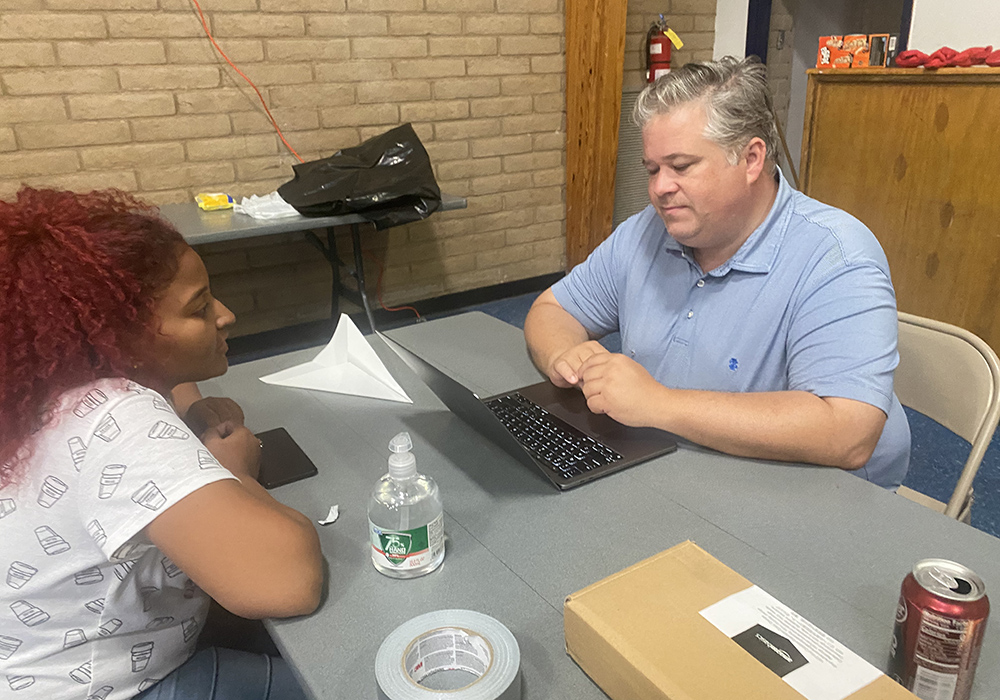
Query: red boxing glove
[941,58]
[911,58]
[993,59]
[972,57]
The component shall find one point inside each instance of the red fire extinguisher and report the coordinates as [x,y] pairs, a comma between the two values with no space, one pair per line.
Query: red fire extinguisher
[658,46]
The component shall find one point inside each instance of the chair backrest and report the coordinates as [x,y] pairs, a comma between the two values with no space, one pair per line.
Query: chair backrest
[953,377]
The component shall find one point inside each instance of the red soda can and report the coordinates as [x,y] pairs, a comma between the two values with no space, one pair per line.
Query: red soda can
[940,623]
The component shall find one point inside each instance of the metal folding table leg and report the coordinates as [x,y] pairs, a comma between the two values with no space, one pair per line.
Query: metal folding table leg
[359,272]
[329,251]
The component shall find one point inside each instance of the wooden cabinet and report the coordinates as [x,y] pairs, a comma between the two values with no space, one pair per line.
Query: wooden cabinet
[915,155]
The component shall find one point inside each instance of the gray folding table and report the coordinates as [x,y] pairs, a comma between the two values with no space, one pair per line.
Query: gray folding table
[199,227]
[829,545]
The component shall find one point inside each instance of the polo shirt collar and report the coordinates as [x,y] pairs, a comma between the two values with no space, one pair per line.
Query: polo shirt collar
[759,252]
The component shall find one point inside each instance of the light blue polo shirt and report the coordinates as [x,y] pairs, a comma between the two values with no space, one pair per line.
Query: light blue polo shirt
[806,304]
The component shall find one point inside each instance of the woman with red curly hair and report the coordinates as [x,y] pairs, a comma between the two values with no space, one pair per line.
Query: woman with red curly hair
[123,495]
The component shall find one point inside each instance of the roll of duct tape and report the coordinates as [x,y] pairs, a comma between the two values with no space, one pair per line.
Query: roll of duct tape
[449,654]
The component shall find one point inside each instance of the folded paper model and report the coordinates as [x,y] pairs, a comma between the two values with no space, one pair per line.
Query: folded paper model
[347,365]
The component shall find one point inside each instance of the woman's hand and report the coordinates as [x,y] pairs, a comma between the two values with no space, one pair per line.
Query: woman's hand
[236,448]
[211,412]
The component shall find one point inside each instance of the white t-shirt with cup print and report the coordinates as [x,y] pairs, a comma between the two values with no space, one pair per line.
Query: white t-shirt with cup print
[89,608]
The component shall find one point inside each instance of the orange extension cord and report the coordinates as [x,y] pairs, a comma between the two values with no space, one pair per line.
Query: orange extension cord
[378,288]
[208,33]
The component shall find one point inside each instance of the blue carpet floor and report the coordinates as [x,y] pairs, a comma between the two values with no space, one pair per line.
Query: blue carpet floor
[937,454]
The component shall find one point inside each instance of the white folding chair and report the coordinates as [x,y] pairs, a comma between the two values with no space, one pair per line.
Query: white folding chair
[953,377]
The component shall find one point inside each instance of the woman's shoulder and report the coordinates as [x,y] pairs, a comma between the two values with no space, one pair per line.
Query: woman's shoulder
[101,394]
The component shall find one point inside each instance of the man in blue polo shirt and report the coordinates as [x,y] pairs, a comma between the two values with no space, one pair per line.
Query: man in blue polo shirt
[754,320]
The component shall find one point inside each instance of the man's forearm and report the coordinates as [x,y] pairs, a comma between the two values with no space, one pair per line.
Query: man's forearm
[793,426]
[549,331]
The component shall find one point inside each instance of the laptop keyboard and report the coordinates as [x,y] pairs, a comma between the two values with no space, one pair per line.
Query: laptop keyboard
[553,442]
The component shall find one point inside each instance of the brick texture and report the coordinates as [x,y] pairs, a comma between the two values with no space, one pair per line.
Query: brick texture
[27,53]
[779,61]
[130,94]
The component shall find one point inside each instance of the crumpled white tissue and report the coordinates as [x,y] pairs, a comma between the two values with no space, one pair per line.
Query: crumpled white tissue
[332,516]
[270,206]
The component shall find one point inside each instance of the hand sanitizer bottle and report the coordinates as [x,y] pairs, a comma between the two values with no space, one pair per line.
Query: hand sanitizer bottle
[405,517]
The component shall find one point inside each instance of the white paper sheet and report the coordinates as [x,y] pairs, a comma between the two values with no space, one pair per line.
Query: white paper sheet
[833,671]
[347,365]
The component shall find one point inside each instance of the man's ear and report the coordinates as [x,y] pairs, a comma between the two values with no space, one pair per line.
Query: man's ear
[755,154]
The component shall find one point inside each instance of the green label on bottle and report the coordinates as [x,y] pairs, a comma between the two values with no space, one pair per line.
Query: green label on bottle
[407,548]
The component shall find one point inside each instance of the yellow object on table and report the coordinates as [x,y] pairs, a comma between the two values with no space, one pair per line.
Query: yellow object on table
[210,201]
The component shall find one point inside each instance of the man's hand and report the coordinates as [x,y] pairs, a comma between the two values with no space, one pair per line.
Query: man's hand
[565,370]
[236,448]
[620,387]
[212,411]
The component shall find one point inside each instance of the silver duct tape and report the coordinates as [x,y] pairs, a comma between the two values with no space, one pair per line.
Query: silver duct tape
[449,655]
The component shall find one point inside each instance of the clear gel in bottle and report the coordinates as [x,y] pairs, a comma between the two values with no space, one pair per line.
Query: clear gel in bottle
[405,517]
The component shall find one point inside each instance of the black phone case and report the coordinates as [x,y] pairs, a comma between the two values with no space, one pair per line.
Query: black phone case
[282,461]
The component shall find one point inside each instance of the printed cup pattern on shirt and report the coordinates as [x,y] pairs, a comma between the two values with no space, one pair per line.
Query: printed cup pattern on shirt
[30,615]
[82,673]
[111,476]
[207,461]
[97,532]
[77,451]
[53,488]
[169,568]
[19,573]
[141,654]
[51,541]
[149,496]
[90,401]
[88,576]
[161,405]
[117,457]
[109,627]
[8,645]
[162,430]
[74,638]
[108,429]
[20,682]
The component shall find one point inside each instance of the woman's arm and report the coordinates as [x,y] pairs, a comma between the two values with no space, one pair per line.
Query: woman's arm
[183,395]
[255,556]
[199,413]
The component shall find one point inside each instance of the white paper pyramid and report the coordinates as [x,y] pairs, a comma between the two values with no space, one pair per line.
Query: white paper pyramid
[347,365]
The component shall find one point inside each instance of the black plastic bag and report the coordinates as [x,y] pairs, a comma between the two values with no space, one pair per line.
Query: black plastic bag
[387,179]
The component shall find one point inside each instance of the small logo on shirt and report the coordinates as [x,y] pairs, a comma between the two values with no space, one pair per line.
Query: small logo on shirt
[734,364]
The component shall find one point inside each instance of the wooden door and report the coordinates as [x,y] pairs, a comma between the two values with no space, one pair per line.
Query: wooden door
[595,56]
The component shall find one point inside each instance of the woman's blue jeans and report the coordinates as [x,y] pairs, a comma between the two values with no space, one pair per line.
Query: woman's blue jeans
[224,674]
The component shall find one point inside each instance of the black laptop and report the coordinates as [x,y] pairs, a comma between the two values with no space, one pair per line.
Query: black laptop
[545,427]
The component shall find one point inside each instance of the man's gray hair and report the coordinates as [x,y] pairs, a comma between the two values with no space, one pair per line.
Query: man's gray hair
[734,92]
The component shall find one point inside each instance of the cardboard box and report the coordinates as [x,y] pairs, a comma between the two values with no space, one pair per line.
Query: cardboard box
[652,632]
[827,44]
[857,45]
[841,58]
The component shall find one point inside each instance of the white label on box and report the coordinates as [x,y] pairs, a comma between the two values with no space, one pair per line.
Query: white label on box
[806,658]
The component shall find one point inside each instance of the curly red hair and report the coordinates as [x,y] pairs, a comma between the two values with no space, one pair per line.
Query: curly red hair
[78,279]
